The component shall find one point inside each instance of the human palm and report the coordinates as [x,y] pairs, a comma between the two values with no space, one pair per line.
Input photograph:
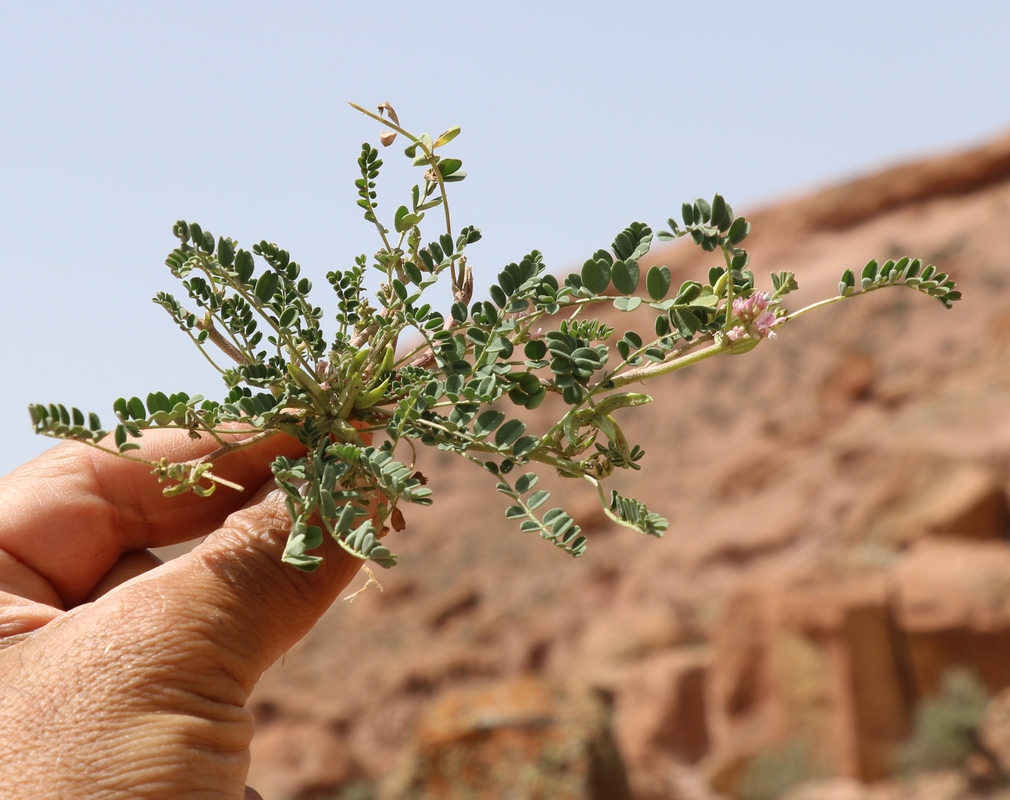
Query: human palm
[127,678]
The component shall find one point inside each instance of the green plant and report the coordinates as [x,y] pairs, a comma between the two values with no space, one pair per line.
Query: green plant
[772,773]
[946,726]
[409,366]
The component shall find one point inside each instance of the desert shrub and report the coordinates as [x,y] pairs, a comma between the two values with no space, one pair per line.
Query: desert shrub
[771,773]
[946,726]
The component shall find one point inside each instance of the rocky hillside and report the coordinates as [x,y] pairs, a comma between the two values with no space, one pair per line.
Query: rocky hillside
[837,545]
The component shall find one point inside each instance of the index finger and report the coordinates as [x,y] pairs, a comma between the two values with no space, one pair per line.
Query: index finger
[69,514]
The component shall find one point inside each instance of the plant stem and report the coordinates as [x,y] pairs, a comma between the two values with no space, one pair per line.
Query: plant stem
[430,154]
[645,373]
[222,343]
[819,304]
[230,447]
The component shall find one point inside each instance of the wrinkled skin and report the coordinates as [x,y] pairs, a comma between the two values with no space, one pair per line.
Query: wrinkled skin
[124,678]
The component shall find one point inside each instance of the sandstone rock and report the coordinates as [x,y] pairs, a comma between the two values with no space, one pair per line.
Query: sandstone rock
[759,525]
[815,661]
[633,633]
[458,602]
[525,739]
[660,707]
[856,200]
[735,460]
[928,494]
[880,706]
[972,502]
[295,759]
[740,687]
[849,382]
[839,663]
[668,779]
[952,603]
[433,668]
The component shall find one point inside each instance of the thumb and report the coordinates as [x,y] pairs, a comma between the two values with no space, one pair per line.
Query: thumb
[246,606]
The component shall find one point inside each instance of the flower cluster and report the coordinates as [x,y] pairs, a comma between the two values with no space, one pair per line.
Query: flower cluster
[756,318]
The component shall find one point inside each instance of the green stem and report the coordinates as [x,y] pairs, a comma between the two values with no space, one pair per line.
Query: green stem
[561,464]
[231,485]
[204,353]
[209,429]
[721,346]
[426,345]
[230,447]
[232,349]
[645,373]
[820,304]
[430,154]
[605,505]
[729,292]
[254,302]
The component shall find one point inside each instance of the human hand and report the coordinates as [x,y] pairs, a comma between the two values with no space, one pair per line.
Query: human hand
[120,677]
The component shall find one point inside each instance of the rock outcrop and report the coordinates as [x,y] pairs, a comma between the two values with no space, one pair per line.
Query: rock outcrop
[523,738]
[841,663]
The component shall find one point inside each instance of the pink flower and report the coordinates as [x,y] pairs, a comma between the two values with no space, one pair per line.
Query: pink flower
[755,317]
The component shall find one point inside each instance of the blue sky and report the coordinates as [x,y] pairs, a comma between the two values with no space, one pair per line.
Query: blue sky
[119,118]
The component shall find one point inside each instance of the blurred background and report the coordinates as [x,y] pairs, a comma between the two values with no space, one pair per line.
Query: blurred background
[830,610]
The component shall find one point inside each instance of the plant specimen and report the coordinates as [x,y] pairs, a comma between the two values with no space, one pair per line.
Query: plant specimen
[412,363]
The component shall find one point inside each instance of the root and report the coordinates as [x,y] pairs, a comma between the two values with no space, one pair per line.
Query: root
[370,582]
